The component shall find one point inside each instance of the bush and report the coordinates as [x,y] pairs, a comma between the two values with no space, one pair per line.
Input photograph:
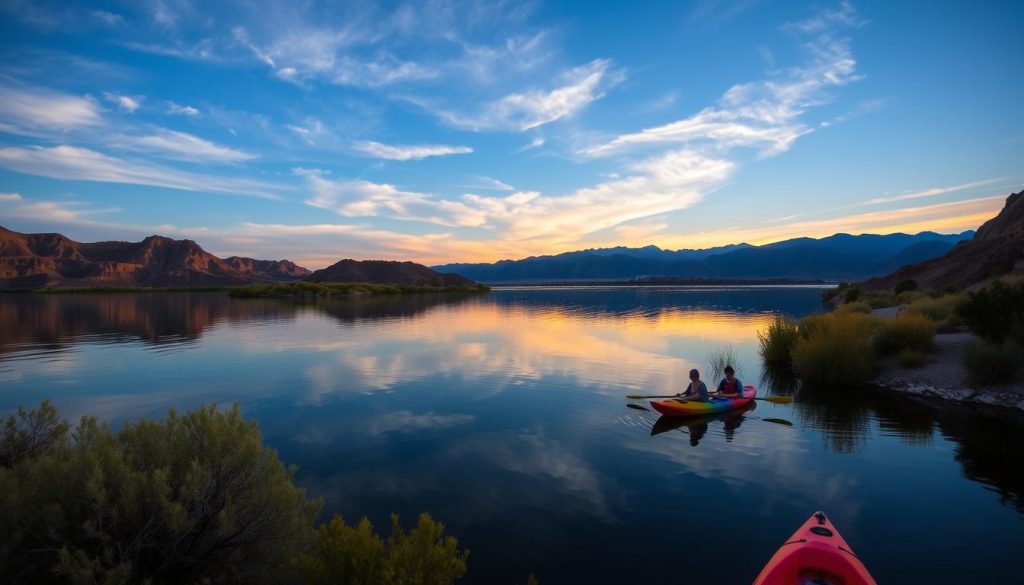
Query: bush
[905,285]
[776,343]
[905,331]
[355,555]
[182,500]
[910,358]
[993,363]
[31,434]
[935,308]
[835,349]
[996,313]
[851,294]
[856,307]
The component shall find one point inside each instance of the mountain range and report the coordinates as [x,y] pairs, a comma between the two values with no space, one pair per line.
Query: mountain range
[33,261]
[837,257]
[996,250]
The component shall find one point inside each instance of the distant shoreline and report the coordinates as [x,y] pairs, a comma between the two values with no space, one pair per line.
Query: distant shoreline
[668,282]
[276,290]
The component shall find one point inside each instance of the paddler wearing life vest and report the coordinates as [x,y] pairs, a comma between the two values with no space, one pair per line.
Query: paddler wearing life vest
[730,386]
[697,390]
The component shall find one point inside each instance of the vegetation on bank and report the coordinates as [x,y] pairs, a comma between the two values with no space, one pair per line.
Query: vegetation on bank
[115,289]
[192,498]
[842,347]
[303,289]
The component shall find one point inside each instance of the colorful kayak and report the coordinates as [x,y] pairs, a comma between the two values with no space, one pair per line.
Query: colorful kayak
[681,407]
[815,555]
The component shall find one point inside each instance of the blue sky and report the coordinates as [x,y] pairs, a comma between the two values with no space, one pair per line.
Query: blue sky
[454,131]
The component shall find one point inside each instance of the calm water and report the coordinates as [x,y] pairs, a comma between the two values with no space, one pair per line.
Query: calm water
[503,416]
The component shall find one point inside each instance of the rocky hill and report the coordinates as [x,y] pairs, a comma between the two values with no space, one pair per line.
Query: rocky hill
[53,260]
[386,272]
[996,250]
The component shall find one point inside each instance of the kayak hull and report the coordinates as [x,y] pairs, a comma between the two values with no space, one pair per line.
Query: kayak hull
[816,553]
[680,407]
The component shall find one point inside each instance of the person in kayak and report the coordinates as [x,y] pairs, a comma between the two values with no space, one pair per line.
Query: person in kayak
[697,390]
[730,386]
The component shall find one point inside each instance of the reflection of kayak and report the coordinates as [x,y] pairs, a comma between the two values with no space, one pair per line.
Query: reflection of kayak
[815,554]
[670,423]
[680,407]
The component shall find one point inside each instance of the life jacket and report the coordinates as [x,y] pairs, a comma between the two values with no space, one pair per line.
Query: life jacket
[732,387]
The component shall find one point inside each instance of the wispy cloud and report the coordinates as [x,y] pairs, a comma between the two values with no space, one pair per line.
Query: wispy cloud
[180,146]
[74,163]
[763,114]
[932,192]
[522,111]
[10,197]
[173,108]
[124,103]
[843,15]
[28,110]
[408,151]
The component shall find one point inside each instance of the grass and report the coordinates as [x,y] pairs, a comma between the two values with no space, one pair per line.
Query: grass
[316,290]
[855,307]
[776,343]
[719,358]
[835,349]
[905,331]
[937,309]
[993,363]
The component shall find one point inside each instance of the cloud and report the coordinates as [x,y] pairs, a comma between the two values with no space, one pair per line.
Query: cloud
[842,16]
[523,111]
[408,152]
[489,184]
[762,114]
[360,198]
[10,197]
[181,146]
[312,131]
[108,18]
[25,110]
[125,103]
[189,111]
[74,163]
[931,192]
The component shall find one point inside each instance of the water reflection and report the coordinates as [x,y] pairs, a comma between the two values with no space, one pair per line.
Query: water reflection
[503,416]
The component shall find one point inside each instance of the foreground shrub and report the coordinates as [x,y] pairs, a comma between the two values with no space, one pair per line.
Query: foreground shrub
[187,499]
[355,555]
[996,313]
[776,343]
[910,358]
[993,363]
[835,349]
[904,331]
[31,434]
[937,309]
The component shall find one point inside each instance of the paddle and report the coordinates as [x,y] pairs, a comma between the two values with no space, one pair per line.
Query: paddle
[772,399]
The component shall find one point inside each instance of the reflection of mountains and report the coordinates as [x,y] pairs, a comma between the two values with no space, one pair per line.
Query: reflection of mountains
[51,321]
[387,306]
[988,447]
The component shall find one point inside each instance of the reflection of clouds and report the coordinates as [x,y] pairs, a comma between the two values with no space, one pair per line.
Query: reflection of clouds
[506,343]
[404,421]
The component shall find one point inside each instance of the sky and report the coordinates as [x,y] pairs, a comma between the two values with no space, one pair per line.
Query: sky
[447,131]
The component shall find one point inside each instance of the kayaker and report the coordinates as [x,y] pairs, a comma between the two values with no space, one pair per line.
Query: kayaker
[730,386]
[697,390]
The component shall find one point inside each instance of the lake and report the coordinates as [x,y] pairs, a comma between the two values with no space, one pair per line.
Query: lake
[504,417]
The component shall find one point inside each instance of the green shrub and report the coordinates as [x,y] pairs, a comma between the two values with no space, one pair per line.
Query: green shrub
[904,331]
[995,313]
[355,555]
[880,300]
[182,500]
[856,307]
[851,294]
[31,434]
[993,363]
[935,308]
[835,349]
[905,285]
[910,358]
[776,343]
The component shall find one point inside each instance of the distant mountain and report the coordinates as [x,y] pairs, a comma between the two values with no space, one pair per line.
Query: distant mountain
[996,250]
[837,257]
[386,272]
[53,260]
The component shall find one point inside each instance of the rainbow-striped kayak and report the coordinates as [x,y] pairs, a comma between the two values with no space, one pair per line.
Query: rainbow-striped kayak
[681,407]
